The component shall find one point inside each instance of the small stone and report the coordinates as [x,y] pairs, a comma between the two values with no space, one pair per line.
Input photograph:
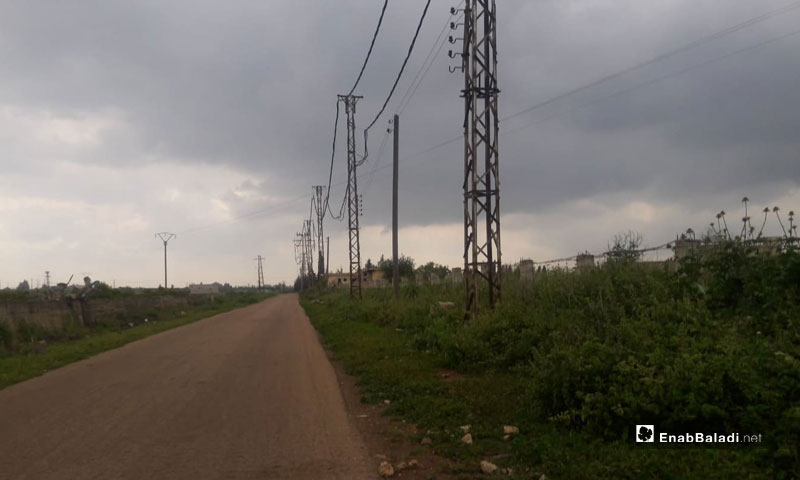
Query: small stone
[510,429]
[387,402]
[465,428]
[385,469]
[467,439]
[413,463]
[506,437]
[507,471]
[488,467]
[426,441]
[401,466]
[544,477]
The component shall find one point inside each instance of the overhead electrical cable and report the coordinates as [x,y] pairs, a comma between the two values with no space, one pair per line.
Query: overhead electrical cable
[431,57]
[396,80]
[371,45]
[684,48]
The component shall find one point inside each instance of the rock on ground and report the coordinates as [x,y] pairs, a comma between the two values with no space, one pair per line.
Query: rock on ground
[510,430]
[488,467]
[385,469]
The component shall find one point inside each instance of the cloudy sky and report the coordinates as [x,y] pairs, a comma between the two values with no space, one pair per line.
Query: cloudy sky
[210,119]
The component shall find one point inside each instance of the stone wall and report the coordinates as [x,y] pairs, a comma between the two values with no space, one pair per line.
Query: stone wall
[53,315]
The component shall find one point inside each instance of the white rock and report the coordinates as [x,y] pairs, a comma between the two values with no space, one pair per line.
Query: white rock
[465,428]
[401,466]
[387,402]
[506,437]
[385,469]
[544,477]
[510,429]
[488,467]
[467,438]
[413,463]
[426,441]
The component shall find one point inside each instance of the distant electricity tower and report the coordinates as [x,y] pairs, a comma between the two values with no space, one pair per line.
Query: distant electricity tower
[481,173]
[165,237]
[308,248]
[260,272]
[319,206]
[300,258]
[353,200]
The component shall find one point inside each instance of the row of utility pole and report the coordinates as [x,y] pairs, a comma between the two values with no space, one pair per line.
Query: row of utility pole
[481,186]
[167,236]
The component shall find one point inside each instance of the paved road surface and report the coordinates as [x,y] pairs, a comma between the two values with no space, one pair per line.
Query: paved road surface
[243,395]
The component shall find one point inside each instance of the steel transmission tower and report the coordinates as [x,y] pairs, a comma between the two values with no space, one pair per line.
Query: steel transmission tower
[353,200]
[319,205]
[482,260]
[165,237]
[300,258]
[260,272]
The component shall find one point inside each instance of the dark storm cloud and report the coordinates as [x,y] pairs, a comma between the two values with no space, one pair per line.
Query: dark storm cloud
[252,85]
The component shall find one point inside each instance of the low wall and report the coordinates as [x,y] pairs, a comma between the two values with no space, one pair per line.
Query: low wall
[53,315]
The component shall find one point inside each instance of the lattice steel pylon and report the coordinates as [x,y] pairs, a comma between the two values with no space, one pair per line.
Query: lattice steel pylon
[353,206]
[319,206]
[300,258]
[482,253]
[308,250]
[260,272]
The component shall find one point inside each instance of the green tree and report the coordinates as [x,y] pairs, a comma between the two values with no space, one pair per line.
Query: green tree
[405,265]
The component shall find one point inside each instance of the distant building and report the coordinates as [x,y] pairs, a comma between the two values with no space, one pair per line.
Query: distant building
[584,261]
[338,279]
[457,275]
[526,269]
[207,289]
[370,278]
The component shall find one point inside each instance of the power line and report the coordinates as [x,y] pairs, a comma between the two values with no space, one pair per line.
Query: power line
[589,103]
[684,48]
[396,80]
[333,155]
[372,44]
[423,70]
[662,78]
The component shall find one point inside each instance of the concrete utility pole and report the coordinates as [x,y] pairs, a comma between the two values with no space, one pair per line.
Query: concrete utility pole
[353,200]
[482,259]
[47,278]
[260,273]
[165,237]
[395,258]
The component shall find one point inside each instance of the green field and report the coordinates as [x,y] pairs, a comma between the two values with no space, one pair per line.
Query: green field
[577,359]
[29,353]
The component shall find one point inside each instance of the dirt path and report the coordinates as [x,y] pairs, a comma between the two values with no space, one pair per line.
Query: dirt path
[243,395]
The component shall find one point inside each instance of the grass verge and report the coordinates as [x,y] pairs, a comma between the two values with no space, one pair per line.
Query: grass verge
[441,374]
[35,361]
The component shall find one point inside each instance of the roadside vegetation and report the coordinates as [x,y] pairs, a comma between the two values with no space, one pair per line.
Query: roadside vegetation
[577,359]
[29,351]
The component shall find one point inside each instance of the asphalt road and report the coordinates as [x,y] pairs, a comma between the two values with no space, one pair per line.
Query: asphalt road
[248,394]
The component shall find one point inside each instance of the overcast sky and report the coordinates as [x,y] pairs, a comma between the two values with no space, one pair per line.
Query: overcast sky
[210,119]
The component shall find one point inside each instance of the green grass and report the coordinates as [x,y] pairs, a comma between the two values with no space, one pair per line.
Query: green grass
[576,360]
[36,358]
